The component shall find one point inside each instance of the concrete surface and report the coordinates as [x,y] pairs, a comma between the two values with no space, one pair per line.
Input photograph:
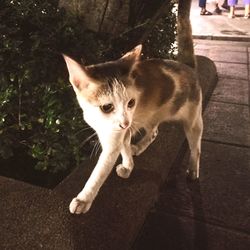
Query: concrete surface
[220,27]
[212,213]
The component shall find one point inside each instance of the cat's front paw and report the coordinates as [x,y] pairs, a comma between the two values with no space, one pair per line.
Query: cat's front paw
[192,175]
[78,206]
[123,172]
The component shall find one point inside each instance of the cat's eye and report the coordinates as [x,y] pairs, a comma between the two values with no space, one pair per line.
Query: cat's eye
[107,108]
[131,103]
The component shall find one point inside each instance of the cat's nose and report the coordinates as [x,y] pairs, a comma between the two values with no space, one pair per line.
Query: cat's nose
[124,124]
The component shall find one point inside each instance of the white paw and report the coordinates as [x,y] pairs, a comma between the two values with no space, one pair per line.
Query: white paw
[123,172]
[78,206]
[192,174]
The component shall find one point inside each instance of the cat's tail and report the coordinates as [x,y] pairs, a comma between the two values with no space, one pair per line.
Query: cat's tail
[184,34]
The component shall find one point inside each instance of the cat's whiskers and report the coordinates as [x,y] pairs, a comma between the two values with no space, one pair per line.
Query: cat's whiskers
[98,147]
[88,138]
[83,129]
[95,149]
[135,128]
[130,130]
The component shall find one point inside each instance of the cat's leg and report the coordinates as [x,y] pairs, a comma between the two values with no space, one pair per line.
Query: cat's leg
[142,145]
[193,131]
[83,201]
[124,170]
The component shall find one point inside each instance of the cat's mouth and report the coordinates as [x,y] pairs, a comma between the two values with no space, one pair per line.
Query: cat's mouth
[124,125]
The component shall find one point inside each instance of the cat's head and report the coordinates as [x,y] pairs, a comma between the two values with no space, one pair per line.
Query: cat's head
[106,92]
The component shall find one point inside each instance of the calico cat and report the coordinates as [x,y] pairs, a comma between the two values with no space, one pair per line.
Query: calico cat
[120,97]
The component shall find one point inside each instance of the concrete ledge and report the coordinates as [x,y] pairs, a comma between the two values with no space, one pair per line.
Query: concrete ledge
[236,38]
[36,218]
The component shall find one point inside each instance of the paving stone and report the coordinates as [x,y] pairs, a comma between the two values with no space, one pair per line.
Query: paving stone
[220,197]
[232,70]
[231,90]
[218,45]
[202,52]
[227,123]
[230,53]
[227,55]
[165,231]
[210,212]
[224,185]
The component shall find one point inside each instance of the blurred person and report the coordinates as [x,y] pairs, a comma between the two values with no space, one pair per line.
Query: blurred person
[232,4]
[217,9]
[225,5]
[204,11]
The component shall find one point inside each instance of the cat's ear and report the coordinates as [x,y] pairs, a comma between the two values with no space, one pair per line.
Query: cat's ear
[134,54]
[77,74]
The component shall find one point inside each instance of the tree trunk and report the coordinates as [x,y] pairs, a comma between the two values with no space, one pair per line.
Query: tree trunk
[112,16]
[106,16]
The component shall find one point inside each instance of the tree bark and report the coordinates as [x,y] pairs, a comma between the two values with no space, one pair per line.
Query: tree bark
[112,16]
[107,16]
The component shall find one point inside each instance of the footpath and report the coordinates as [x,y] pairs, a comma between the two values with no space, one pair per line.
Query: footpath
[214,212]
[220,27]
